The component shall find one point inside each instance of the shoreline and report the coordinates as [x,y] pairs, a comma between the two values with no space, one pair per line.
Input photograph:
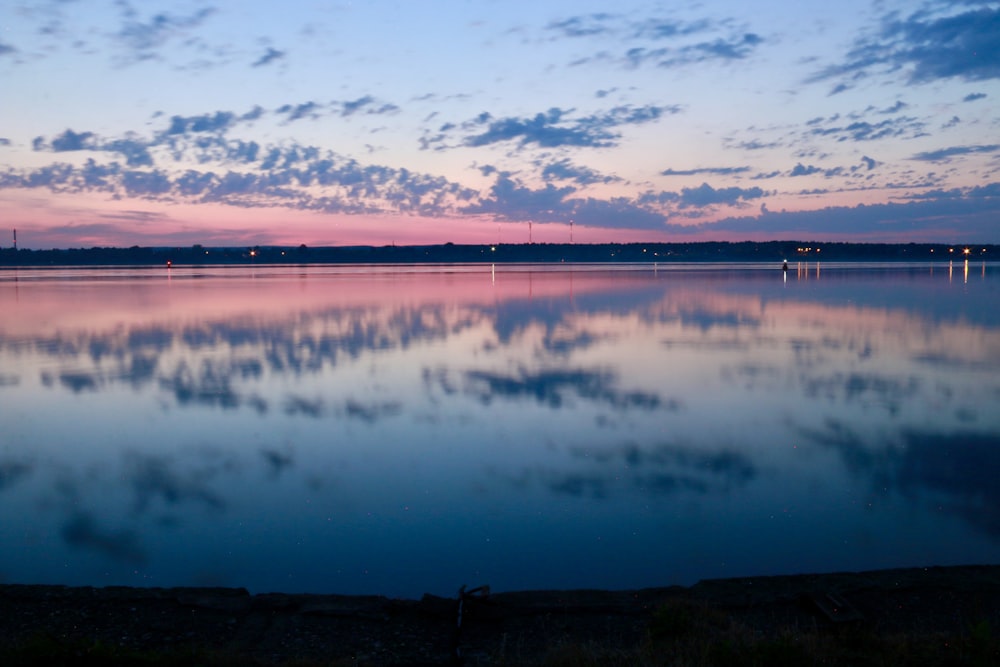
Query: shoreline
[450,253]
[920,606]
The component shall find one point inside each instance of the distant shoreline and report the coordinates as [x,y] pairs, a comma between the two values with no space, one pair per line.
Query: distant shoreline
[449,253]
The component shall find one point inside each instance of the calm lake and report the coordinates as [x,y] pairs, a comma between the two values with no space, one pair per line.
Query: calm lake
[402,430]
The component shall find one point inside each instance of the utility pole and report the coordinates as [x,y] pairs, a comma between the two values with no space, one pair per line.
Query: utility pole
[15,239]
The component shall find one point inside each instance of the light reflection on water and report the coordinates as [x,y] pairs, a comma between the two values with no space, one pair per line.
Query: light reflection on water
[409,429]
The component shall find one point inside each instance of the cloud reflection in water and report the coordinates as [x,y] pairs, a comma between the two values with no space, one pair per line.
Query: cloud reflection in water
[296,431]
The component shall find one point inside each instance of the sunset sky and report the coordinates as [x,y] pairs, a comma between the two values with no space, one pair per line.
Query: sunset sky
[237,122]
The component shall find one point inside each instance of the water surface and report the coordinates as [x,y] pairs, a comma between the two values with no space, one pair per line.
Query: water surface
[401,430]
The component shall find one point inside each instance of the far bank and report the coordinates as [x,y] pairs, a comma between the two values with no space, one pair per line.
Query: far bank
[450,253]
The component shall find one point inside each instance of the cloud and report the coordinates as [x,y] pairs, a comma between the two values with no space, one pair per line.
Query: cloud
[299,111]
[953,193]
[556,127]
[135,151]
[193,160]
[366,103]
[657,29]
[972,97]
[312,110]
[895,108]
[306,178]
[6,50]
[291,176]
[71,141]
[989,190]
[217,122]
[803,170]
[717,171]
[603,24]
[963,46]
[755,145]
[966,215]
[583,26]
[510,200]
[268,175]
[706,195]
[351,107]
[564,170]
[861,130]
[144,39]
[146,183]
[945,154]
[615,213]
[661,42]
[725,49]
[253,114]
[732,49]
[543,129]
[928,46]
[269,56]
[952,122]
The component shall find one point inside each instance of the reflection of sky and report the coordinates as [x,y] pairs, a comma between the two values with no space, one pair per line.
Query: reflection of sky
[400,432]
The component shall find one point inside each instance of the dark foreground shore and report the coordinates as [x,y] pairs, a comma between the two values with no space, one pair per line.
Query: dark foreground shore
[927,616]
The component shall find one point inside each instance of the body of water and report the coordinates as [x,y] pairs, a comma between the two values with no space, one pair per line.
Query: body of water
[401,430]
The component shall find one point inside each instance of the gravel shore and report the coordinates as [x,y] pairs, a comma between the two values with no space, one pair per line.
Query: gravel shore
[927,607]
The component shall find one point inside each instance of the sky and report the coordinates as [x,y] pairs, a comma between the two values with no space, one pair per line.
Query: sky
[239,122]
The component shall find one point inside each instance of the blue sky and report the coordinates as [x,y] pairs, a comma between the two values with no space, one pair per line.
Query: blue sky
[229,123]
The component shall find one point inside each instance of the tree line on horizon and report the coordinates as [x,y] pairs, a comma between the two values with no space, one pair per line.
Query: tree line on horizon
[699,251]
